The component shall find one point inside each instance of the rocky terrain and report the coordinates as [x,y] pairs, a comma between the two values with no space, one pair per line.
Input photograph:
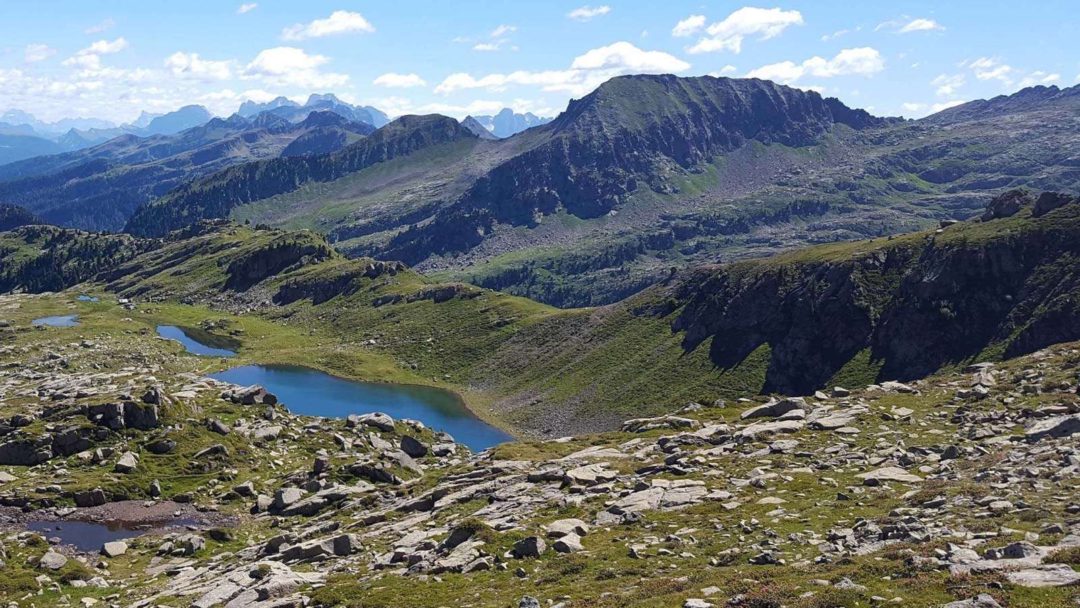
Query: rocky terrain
[959,489]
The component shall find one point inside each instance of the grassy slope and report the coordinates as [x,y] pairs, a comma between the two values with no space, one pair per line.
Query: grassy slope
[523,365]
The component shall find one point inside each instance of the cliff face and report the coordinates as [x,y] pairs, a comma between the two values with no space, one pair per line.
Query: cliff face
[632,132]
[913,304]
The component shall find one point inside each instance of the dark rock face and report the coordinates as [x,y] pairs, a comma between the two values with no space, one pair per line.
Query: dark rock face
[127,414]
[1007,204]
[346,282]
[1048,201]
[914,307]
[629,133]
[26,452]
[282,254]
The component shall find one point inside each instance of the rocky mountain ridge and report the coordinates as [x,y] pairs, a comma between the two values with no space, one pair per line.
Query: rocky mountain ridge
[650,173]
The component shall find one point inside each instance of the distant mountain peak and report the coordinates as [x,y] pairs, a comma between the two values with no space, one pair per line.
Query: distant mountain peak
[507,122]
[179,120]
[477,129]
[315,98]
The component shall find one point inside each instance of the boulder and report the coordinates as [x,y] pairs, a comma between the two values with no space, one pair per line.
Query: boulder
[377,420]
[877,476]
[52,560]
[285,497]
[1047,575]
[90,498]
[563,527]
[127,462]
[570,543]
[140,416]
[776,408]
[114,549]
[413,447]
[532,546]
[1057,427]
[161,446]
[218,427]
[189,544]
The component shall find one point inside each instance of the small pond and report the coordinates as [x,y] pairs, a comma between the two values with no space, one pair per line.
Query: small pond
[57,321]
[90,536]
[86,298]
[314,393]
[199,341]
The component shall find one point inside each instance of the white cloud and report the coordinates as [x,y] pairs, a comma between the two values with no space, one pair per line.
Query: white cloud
[399,81]
[947,85]
[89,58]
[724,71]
[585,73]
[585,13]
[689,26]
[986,68]
[503,30]
[246,8]
[190,65]
[339,22]
[920,25]
[105,47]
[937,107]
[487,46]
[37,52]
[862,61]
[398,106]
[97,28]
[290,66]
[913,106]
[834,35]
[728,35]
[1039,77]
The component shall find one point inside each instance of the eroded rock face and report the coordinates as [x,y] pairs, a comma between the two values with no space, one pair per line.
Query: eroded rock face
[1007,204]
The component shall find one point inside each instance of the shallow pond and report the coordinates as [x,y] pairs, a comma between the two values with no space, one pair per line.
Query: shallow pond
[86,298]
[57,321]
[199,341]
[314,393]
[90,536]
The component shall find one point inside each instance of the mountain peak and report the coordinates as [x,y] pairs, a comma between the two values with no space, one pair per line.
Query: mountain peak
[316,98]
[507,122]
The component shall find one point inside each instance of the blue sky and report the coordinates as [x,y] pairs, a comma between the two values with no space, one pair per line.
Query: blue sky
[112,59]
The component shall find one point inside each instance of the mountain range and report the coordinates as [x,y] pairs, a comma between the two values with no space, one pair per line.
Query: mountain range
[646,174]
[99,187]
[23,136]
[507,122]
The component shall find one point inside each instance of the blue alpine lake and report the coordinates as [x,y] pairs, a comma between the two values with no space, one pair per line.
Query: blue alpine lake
[314,393]
[200,342]
[57,321]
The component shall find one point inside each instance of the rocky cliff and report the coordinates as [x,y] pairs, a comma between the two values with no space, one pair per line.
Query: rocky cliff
[906,306]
